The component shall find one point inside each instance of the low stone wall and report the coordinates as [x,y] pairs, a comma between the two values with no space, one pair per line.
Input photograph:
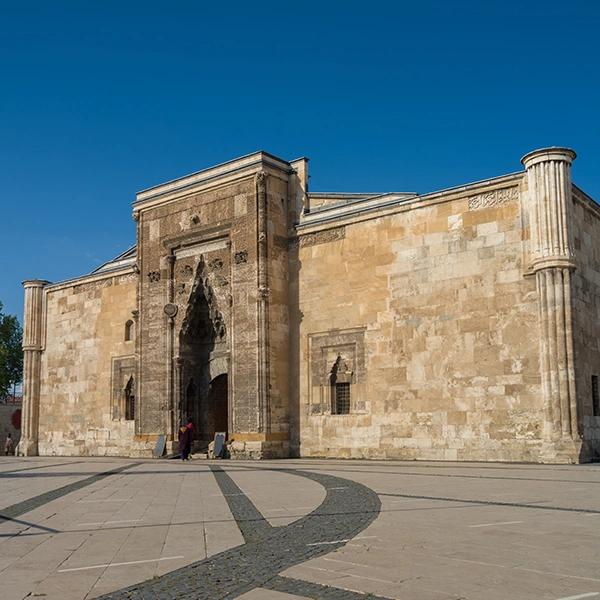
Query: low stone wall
[10,422]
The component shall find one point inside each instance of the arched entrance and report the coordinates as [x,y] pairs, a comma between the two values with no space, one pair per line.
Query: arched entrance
[203,348]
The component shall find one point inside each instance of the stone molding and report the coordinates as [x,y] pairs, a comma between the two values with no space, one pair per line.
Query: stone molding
[264,385]
[233,169]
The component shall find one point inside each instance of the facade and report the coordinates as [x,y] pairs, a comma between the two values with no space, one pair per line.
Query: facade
[456,325]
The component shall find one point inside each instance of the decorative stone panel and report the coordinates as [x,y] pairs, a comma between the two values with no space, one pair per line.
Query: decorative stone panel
[320,237]
[324,350]
[493,198]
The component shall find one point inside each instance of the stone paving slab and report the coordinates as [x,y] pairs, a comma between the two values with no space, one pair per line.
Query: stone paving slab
[23,479]
[285,506]
[264,594]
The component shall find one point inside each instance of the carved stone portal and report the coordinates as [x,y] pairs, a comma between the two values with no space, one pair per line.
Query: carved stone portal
[202,340]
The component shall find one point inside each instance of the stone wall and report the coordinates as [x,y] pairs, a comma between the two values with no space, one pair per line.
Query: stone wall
[586,314]
[430,308]
[83,347]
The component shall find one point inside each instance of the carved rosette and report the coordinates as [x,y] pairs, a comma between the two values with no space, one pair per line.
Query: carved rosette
[241,257]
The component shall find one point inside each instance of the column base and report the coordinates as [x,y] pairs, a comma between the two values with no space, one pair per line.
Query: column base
[27,448]
[566,451]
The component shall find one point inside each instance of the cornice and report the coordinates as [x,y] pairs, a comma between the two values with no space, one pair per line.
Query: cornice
[383,206]
[230,170]
[585,200]
[90,278]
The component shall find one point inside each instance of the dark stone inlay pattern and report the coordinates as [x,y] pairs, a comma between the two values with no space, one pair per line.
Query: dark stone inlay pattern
[497,503]
[16,510]
[9,473]
[251,523]
[343,514]
[315,590]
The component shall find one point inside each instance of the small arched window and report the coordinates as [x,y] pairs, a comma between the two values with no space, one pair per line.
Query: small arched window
[341,378]
[129,331]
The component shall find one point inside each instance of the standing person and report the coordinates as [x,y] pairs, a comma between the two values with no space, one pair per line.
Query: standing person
[186,436]
[8,445]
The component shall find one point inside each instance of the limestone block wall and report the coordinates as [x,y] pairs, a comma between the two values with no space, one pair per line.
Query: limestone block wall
[430,307]
[84,335]
[586,314]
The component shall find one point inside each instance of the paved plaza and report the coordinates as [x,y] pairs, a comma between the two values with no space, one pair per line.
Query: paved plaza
[75,528]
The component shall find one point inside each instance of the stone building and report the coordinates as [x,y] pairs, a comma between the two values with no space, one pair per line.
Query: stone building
[461,324]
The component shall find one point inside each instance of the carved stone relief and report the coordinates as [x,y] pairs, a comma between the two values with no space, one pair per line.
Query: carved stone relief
[325,348]
[493,198]
[215,322]
[154,276]
[241,257]
[320,237]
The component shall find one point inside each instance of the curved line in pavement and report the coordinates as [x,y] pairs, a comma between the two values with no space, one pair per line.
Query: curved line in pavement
[342,515]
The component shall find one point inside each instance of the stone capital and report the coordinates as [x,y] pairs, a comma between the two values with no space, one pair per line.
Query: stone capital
[261,180]
[547,154]
[35,283]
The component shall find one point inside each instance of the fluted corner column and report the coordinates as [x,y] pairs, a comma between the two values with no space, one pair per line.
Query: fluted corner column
[263,304]
[552,260]
[32,354]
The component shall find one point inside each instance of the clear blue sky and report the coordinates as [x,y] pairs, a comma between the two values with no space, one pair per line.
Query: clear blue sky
[101,99]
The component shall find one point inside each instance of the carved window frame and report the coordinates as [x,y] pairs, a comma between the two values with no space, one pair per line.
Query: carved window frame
[325,349]
[122,371]
[129,335]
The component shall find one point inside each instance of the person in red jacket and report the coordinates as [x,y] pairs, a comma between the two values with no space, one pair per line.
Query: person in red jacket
[186,436]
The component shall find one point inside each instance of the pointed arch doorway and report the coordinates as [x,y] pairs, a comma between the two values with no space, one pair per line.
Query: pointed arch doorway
[204,364]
